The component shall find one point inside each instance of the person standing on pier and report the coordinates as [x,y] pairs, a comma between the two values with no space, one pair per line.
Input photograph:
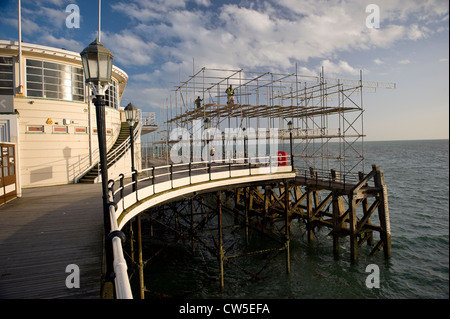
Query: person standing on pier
[198,102]
[230,95]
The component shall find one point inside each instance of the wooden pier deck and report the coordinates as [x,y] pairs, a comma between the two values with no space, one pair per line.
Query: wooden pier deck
[45,230]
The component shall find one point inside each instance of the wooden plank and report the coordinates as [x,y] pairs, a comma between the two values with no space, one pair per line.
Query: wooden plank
[45,230]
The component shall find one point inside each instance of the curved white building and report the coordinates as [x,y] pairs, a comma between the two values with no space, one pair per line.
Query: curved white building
[47,121]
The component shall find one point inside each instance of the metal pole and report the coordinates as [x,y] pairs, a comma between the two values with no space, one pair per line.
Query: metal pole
[221,253]
[292,153]
[20,50]
[286,216]
[141,265]
[101,134]
[133,173]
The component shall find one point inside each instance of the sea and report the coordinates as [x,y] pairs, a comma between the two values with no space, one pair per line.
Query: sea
[417,178]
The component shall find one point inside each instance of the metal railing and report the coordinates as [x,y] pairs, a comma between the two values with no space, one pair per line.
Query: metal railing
[172,173]
[121,281]
[147,118]
[207,169]
[193,172]
[115,155]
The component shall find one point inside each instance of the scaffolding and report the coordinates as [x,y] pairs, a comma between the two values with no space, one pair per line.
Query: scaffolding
[326,113]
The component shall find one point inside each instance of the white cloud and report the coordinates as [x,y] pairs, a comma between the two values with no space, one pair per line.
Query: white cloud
[378,61]
[404,61]
[263,35]
[342,67]
[129,48]
[68,44]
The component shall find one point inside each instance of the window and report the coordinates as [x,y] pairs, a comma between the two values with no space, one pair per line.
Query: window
[80,130]
[54,81]
[6,76]
[35,129]
[60,129]
[111,96]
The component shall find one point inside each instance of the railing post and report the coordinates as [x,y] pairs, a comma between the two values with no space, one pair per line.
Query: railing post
[153,178]
[190,179]
[111,189]
[209,170]
[270,163]
[121,185]
[171,175]
[135,183]
[249,167]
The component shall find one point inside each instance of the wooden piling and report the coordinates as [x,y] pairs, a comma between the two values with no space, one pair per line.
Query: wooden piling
[287,226]
[383,213]
[309,210]
[141,264]
[353,233]
[221,252]
[338,211]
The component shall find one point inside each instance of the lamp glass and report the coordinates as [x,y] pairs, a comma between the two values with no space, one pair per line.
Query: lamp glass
[131,113]
[97,63]
[290,126]
[103,64]
[93,66]
[207,123]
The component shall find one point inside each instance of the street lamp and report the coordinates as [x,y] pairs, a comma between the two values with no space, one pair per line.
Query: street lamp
[290,127]
[207,125]
[97,65]
[131,113]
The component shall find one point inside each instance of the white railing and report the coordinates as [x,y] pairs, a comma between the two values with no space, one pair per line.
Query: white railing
[147,118]
[122,148]
[121,281]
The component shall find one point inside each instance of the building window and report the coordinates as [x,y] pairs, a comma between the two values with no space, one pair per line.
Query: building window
[54,81]
[35,128]
[111,98]
[60,129]
[6,76]
[80,130]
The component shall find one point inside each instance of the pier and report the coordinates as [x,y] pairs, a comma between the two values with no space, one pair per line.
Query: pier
[290,149]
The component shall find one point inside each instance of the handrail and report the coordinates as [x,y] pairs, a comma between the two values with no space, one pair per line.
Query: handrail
[122,283]
[95,157]
[122,148]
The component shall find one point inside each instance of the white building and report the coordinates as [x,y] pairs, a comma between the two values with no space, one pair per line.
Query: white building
[48,133]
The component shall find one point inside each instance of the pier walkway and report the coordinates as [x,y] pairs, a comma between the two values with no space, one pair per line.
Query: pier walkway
[43,232]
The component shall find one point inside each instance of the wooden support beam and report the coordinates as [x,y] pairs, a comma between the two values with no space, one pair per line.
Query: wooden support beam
[353,231]
[309,209]
[338,211]
[383,213]
[141,264]
[287,226]
[221,252]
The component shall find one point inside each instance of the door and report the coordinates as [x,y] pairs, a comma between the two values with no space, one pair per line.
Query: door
[8,189]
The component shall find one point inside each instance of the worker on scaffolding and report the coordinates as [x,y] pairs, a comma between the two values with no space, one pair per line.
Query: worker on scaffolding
[230,94]
[198,102]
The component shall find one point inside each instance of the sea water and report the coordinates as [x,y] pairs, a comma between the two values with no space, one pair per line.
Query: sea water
[417,178]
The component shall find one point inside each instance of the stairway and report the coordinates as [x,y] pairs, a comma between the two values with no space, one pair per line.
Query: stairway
[92,174]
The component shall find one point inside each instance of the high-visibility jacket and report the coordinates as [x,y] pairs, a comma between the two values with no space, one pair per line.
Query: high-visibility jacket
[230,91]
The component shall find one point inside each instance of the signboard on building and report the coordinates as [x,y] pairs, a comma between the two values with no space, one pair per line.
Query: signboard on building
[6,104]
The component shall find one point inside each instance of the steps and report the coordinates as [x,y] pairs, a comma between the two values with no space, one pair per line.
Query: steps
[92,174]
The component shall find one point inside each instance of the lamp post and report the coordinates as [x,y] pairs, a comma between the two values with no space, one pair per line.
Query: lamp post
[97,65]
[131,113]
[290,127]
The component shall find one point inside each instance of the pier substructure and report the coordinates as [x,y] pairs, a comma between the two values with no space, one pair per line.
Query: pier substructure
[347,209]
[220,223]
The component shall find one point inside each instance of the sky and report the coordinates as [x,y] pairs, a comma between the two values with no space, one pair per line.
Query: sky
[159,42]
